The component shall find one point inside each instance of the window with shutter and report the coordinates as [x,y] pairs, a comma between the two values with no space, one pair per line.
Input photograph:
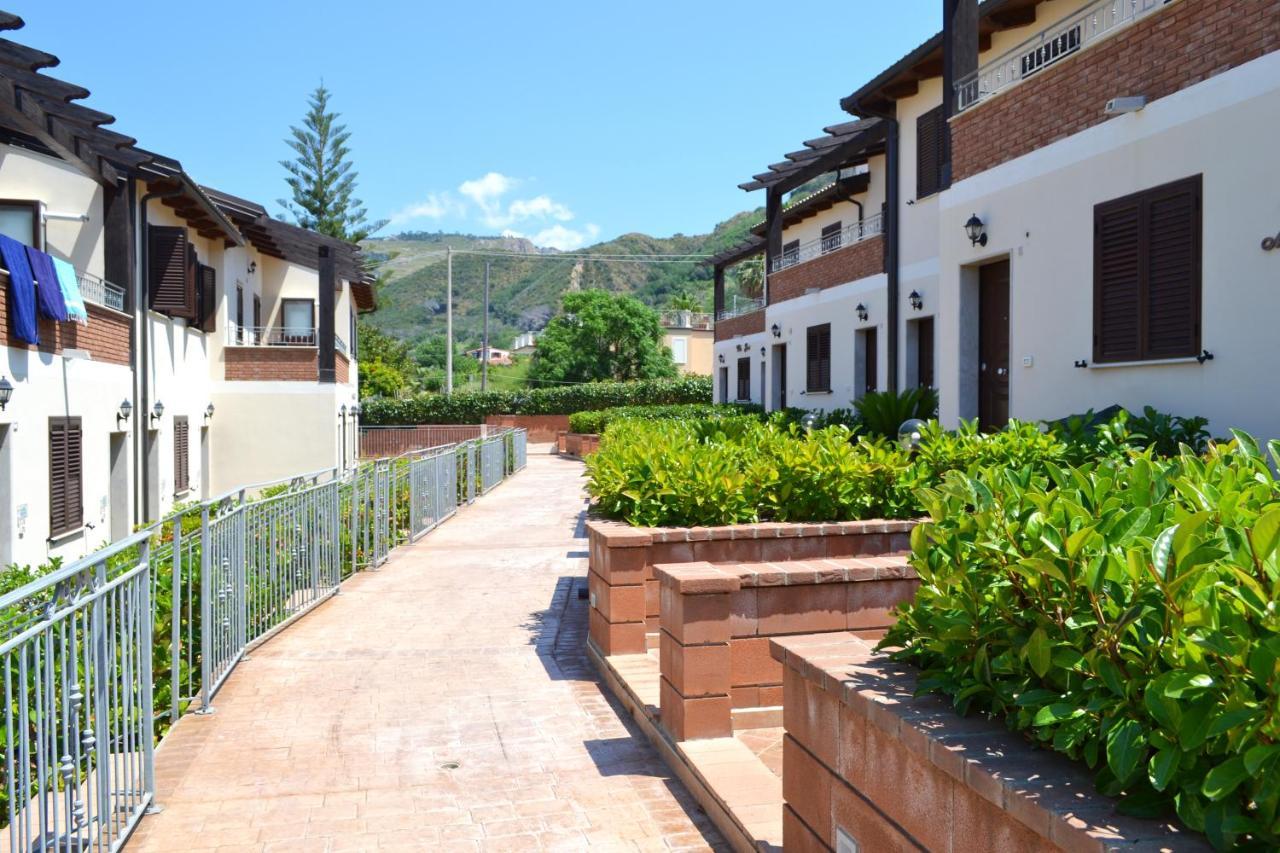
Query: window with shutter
[208,287]
[181,469]
[831,235]
[1147,274]
[924,353]
[744,379]
[171,272]
[931,151]
[791,253]
[66,499]
[818,359]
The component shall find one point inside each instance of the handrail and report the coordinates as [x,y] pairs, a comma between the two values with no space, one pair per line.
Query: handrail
[1063,39]
[741,305]
[849,235]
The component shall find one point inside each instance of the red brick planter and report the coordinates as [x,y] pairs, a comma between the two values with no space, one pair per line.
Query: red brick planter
[625,605]
[577,444]
[717,622]
[866,758]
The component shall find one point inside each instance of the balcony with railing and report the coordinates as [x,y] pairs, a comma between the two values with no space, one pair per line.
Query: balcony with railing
[99,291]
[850,235]
[1065,38]
[267,353]
[693,320]
[740,306]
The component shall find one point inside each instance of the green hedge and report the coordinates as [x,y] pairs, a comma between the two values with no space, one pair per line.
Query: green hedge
[471,407]
[1123,612]
[598,421]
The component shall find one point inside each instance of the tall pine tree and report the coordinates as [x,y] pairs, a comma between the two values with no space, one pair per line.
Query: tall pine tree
[321,176]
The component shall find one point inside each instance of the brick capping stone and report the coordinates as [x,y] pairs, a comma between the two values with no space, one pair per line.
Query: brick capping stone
[744,324]
[847,264]
[623,585]
[1167,51]
[864,754]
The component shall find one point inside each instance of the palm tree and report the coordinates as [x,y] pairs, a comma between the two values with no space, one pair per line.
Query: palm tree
[750,275]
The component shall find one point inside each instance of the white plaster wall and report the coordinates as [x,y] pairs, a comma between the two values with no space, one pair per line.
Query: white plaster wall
[729,349]
[836,306]
[1039,212]
[845,212]
[46,386]
[62,188]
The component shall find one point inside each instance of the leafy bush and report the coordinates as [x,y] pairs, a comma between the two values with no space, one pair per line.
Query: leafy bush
[882,412]
[471,407]
[1122,612]
[847,418]
[598,421]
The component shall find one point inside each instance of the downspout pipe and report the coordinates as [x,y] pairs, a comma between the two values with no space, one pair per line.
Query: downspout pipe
[892,194]
[142,413]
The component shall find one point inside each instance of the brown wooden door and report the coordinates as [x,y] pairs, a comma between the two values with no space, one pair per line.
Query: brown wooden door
[993,346]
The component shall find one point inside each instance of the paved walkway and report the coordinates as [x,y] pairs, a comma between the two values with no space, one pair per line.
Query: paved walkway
[441,703]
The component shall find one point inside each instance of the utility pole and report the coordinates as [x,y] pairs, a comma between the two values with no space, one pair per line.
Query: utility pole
[484,347]
[448,322]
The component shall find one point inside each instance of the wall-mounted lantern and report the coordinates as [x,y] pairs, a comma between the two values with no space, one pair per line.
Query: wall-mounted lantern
[253,267]
[762,352]
[208,411]
[722,358]
[342,411]
[776,329]
[862,312]
[157,411]
[976,231]
[126,409]
[355,410]
[917,301]
[6,392]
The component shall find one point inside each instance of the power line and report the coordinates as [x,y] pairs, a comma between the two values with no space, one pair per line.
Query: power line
[669,258]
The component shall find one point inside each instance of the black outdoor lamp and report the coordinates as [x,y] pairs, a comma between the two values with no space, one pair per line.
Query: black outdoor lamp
[776,329]
[342,412]
[762,352]
[157,411]
[355,410]
[976,231]
[208,411]
[722,358]
[126,409]
[917,301]
[253,267]
[862,312]
[6,392]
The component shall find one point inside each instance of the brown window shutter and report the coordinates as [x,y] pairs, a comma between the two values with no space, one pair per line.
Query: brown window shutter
[181,470]
[924,353]
[172,280]
[744,379]
[208,282]
[1172,243]
[818,358]
[930,144]
[66,498]
[1117,281]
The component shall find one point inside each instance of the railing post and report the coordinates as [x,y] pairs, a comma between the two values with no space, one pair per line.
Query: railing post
[175,630]
[206,615]
[148,696]
[101,746]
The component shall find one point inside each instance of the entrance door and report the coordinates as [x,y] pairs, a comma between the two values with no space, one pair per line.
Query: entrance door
[780,377]
[993,346]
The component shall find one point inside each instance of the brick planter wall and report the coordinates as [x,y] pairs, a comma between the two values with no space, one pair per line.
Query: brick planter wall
[1170,50]
[747,324]
[895,771]
[846,264]
[578,444]
[542,429]
[717,622]
[624,590]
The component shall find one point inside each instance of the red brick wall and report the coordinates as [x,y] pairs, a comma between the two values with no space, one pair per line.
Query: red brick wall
[1171,50]
[745,325]
[842,266]
[290,364]
[580,444]
[541,428]
[341,367]
[106,337]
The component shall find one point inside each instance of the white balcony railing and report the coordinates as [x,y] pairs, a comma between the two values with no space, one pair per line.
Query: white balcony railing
[847,236]
[101,292]
[1067,37]
[275,336]
[686,320]
[741,305]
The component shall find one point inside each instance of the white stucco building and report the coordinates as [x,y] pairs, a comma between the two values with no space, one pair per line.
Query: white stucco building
[1111,163]
[202,364]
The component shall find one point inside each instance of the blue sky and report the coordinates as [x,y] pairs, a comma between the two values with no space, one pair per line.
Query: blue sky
[565,122]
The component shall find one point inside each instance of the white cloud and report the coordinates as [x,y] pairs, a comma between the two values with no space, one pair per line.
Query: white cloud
[488,197]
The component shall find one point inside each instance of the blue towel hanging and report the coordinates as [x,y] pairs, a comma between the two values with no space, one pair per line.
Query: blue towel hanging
[22,293]
[48,291]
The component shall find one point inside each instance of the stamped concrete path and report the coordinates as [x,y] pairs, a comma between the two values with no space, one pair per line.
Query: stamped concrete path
[441,703]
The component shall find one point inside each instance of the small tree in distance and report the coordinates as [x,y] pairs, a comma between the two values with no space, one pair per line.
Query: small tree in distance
[600,336]
[321,177]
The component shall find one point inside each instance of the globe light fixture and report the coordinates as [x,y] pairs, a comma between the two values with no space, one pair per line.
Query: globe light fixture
[976,231]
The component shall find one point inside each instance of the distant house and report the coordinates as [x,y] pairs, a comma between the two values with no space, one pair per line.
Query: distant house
[496,356]
[690,335]
[525,343]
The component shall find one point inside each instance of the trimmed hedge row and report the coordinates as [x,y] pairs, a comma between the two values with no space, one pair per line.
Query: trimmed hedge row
[598,421]
[472,407]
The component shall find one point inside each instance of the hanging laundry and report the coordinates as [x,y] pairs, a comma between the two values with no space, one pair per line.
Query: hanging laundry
[48,291]
[70,285]
[22,292]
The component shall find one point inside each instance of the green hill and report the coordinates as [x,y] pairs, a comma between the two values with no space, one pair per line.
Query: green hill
[525,290]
